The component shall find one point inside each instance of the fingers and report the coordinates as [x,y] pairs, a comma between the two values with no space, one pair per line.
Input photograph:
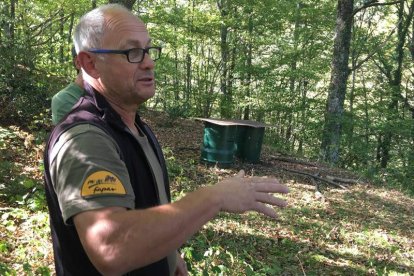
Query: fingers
[267,185]
[270,199]
[266,210]
[240,194]
[263,188]
[270,187]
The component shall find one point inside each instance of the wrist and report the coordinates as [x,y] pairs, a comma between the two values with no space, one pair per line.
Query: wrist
[215,198]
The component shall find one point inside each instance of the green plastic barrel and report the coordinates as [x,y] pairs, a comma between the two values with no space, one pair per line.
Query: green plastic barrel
[219,145]
[249,143]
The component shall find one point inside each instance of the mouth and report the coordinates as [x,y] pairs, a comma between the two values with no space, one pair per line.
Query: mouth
[146,79]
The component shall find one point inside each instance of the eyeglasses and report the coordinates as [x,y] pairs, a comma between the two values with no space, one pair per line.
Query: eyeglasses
[134,55]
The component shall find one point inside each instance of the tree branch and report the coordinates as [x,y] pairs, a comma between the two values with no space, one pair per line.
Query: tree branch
[359,64]
[385,68]
[374,3]
[409,18]
[406,103]
[343,180]
[41,27]
[292,160]
[315,177]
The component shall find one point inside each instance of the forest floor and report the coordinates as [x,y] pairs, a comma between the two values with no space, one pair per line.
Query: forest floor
[331,227]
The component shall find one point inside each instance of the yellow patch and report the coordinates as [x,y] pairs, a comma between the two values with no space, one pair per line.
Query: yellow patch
[102,183]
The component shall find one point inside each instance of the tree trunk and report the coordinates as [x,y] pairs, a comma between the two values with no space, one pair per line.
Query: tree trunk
[394,79]
[331,135]
[366,114]
[189,67]
[248,80]
[9,10]
[226,97]
[188,82]
[302,115]
[292,79]
[71,22]
[410,162]
[232,65]
[13,4]
[61,32]
[176,80]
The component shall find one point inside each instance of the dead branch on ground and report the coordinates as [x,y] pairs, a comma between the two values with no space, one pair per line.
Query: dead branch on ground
[293,160]
[315,177]
[343,180]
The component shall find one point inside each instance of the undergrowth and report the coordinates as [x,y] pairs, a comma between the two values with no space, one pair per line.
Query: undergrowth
[366,230]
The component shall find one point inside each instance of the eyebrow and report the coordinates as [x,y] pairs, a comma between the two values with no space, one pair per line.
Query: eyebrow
[135,42]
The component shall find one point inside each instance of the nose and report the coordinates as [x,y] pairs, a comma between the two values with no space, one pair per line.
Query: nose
[147,62]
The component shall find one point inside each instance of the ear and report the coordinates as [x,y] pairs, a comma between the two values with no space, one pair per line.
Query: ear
[87,62]
[76,63]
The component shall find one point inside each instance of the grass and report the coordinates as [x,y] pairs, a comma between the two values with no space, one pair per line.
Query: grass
[366,230]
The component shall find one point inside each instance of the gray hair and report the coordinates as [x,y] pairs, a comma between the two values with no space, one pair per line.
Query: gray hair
[91,27]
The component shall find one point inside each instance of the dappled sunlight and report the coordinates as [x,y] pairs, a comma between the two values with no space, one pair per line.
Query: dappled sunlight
[323,231]
[364,230]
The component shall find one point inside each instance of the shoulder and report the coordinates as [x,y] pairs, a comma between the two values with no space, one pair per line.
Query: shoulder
[71,91]
[83,129]
[84,138]
[85,132]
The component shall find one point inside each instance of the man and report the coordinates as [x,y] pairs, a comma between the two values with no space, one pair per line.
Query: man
[106,180]
[66,98]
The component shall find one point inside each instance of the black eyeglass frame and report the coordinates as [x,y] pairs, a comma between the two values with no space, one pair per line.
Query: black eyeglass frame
[126,52]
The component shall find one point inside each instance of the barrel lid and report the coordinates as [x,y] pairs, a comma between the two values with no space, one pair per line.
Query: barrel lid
[222,122]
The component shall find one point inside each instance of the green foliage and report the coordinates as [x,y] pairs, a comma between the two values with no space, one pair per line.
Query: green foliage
[175,169]
[25,258]
[179,173]
[283,82]
[22,190]
[6,270]
[271,58]
[35,59]
[16,187]
[318,236]
[275,63]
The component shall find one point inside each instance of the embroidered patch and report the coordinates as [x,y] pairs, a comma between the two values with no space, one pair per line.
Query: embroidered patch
[102,183]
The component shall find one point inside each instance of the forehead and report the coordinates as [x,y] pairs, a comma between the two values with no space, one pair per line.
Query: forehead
[124,30]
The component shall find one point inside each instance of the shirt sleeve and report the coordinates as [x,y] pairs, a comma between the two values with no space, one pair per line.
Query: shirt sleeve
[87,172]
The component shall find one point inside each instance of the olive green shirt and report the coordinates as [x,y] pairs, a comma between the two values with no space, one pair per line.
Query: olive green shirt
[64,100]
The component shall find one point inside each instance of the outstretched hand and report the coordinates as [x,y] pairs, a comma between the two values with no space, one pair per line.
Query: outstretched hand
[240,194]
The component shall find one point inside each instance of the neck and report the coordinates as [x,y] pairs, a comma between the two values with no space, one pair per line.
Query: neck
[127,112]
[128,117]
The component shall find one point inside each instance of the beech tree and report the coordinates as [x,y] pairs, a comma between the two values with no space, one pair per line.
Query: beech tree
[340,71]
[337,88]
[284,63]
[392,70]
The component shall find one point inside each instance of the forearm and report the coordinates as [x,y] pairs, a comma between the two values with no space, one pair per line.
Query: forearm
[118,241]
[125,240]
[167,227]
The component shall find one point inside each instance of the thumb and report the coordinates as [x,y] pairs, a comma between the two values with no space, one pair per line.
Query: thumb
[240,174]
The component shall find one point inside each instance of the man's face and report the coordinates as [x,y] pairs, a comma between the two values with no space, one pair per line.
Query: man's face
[126,84]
